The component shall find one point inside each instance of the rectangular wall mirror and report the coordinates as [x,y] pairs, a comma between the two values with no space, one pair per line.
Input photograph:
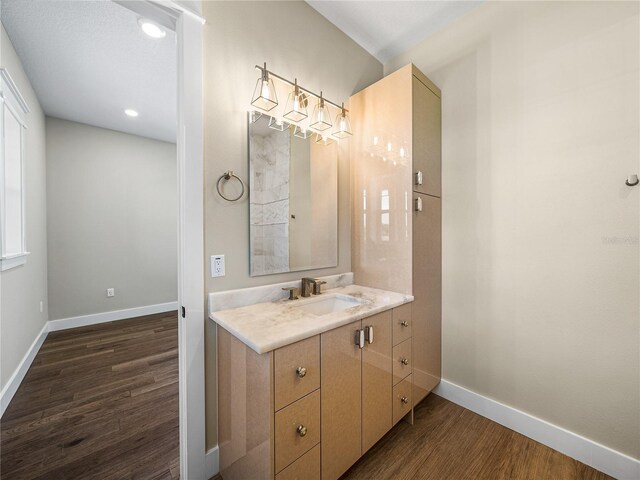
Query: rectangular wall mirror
[293,200]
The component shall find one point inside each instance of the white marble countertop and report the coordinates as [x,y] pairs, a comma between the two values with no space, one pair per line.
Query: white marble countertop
[270,325]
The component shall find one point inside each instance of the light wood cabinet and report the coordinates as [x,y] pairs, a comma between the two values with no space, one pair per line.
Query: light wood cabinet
[376,379]
[427,306]
[276,423]
[396,200]
[341,405]
[402,324]
[297,371]
[297,429]
[427,137]
[307,467]
[402,401]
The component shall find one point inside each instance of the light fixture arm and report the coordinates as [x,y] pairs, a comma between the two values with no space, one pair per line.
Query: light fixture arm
[295,84]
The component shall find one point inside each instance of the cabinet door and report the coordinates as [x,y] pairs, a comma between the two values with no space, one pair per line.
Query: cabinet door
[376,379]
[427,148]
[341,407]
[427,290]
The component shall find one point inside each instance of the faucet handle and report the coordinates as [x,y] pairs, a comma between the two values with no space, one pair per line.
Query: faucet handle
[317,286]
[293,292]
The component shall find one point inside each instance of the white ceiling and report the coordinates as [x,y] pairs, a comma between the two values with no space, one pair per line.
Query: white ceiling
[89,60]
[388,28]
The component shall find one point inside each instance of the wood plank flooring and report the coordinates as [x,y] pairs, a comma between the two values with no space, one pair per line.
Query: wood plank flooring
[99,402]
[449,442]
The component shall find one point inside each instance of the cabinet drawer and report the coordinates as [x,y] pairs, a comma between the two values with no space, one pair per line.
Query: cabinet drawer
[307,467]
[297,371]
[402,361]
[297,429]
[402,399]
[401,323]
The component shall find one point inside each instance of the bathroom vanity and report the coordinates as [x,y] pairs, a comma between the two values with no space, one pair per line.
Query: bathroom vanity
[307,386]
[304,395]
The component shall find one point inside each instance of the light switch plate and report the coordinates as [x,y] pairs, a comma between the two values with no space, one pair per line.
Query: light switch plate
[217,265]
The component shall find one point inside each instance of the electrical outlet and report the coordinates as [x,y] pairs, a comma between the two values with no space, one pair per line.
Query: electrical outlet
[217,265]
[111,292]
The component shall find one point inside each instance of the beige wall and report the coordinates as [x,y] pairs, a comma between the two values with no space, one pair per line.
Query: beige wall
[112,219]
[23,288]
[540,236]
[295,41]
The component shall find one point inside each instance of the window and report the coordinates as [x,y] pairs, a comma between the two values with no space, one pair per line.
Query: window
[13,247]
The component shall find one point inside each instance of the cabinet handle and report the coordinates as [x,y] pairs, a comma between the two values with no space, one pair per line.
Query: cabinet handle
[404,361]
[418,177]
[368,333]
[418,204]
[359,340]
[404,323]
[404,400]
[302,430]
[301,371]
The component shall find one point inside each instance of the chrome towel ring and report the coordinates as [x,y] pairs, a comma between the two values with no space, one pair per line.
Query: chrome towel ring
[227,176]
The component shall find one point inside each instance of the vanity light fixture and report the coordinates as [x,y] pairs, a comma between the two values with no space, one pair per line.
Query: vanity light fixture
[264,95]
[277,124]
[301,132]
[296,106]
[130,112]
[323,139]
[321,118]
[295,111]
[254,116]
[151,28]
[343,128]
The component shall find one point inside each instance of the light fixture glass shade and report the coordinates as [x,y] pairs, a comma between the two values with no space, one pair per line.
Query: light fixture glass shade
[264,95]
[296,106]
[302,132]
[254,116]
[323,139]
[343,125]
[321,118]
[277,124]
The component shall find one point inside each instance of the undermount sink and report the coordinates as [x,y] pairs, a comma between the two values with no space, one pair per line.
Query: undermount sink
[329,303]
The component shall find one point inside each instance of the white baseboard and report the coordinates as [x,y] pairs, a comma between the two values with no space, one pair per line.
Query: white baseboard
[11,387]
[95,318]
[13,383]
[595,455]
[211,463]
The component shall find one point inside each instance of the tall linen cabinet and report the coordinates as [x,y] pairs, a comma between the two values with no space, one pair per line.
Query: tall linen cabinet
[396,205]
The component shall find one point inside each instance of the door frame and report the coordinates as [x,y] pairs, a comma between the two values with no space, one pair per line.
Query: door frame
[188,25]
[191,274]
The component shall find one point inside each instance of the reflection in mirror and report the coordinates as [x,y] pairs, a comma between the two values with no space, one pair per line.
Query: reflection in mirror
[293,207]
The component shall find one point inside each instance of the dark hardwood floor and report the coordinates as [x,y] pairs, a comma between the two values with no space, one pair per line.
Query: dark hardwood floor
[98,402]
[449,442]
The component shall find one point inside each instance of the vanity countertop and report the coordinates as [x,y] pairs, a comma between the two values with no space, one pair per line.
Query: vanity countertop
[270,325]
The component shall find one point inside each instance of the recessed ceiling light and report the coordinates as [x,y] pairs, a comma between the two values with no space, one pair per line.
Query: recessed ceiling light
[151,28]
[130,112]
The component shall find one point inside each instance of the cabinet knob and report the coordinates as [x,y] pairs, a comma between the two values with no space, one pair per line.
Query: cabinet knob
[359,338]
[404,361]
[404,400]
[301,371]
[302,430]
[404,323]
[418,177]
[418,206]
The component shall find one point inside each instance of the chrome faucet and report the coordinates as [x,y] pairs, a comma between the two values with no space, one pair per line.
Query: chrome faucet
[311,286]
